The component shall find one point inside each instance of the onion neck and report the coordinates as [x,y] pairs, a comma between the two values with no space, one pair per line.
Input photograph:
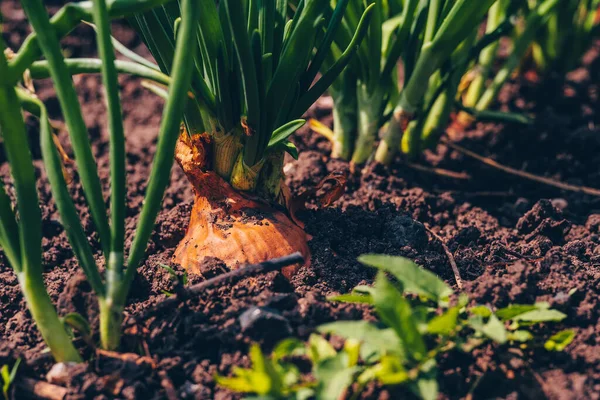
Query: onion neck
[225,151]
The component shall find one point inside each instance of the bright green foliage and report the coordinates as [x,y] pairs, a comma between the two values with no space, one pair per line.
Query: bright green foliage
[21,238]
[443,35]
[21,227]
[414,280]
[441,52]
[255,76]
[8,376]
[565,35]
[553,33]
[434,39]
[403,347]
[276,377]
[481,96]
[362,93]
[559,341]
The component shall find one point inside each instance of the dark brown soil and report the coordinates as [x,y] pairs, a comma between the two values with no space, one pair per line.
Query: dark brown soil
[514,242]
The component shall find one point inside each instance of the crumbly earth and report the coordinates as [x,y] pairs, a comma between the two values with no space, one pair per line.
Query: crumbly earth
[514,241]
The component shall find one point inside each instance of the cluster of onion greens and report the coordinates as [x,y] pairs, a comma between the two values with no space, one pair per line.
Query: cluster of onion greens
[256,73]
[20,229]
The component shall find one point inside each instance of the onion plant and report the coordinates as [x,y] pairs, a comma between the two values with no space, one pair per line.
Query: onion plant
[256,73]
[433,114]
[363,91]
[21,228]
[111,285]
[441,27]
[487,58]
[486,85]
[566,34]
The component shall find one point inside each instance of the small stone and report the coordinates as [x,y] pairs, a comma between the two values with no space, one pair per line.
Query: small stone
[191,390]
[61,373]
[264,322]
[560,204]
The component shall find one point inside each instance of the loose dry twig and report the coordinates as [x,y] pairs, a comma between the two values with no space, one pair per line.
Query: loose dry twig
[517,254]
[477,194]
[227,278]
[439,171]
[450,258]
[525,175]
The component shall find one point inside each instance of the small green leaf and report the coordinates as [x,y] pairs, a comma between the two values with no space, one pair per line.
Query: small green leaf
[291,149]
[286,348]
[445,323]
[320,349]
[283,132]
[482,311]
[352,349]
[334,376]
[427,387]
[413,278]
[540,315]
[5,374]
[495,330]
[519,336]
[559,341]
[263,379]
[375,342]
[8,377]
[174,276]
[236,384]
[463,300]
[170,270]
[354,297]
[396,312]
[513,310]
[390,371]
[361,294]
[77,322]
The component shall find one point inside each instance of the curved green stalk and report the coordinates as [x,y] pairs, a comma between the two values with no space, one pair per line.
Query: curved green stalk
[487,56]
[48,42]
[76,66]
[532,25]
[344,122]
[370,105]
[9,230]
[60,192]
[452,30]
[23,173]
[118,179]
[168,135]
[29,269]
[438,116]
[65,20]
[332,73]
[46,319]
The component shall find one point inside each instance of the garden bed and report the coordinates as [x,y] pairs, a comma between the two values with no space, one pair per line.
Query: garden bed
[514,241]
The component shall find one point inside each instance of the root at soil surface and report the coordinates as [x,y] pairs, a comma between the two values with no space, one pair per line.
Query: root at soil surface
[230,225]
[522,174]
